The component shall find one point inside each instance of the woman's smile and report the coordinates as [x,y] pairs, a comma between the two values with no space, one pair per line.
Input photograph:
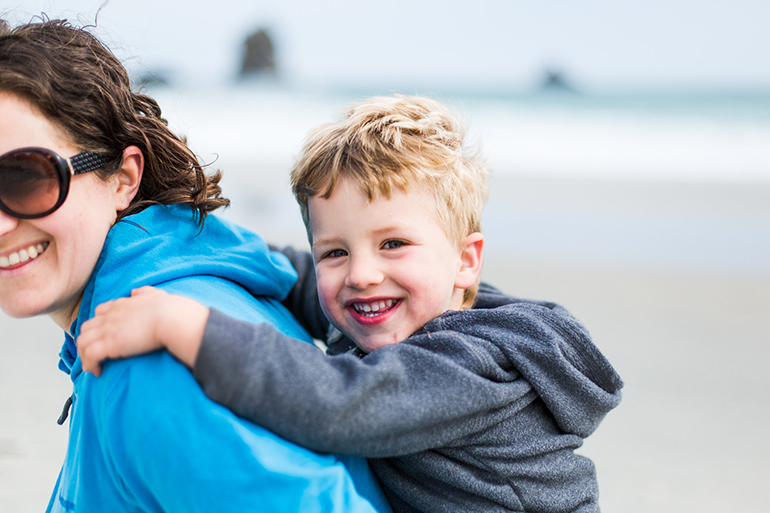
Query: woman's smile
[16,259]
[45,263]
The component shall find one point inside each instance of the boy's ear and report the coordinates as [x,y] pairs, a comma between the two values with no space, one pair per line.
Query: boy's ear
[471,258]
[128,177]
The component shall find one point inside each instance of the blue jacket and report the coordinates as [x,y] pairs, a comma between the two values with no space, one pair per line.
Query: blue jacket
[144,437]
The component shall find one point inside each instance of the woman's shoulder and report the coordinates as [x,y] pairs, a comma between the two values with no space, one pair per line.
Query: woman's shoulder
[153,395]
[164,243]
[151,379]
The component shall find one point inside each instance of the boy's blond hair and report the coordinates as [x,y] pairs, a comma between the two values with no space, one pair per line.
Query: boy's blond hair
[397,141]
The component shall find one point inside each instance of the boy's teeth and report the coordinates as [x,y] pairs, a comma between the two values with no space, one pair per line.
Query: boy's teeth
[22,255]
[373,307]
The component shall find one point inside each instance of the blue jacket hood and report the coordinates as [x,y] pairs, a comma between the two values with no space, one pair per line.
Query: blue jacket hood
[219,249]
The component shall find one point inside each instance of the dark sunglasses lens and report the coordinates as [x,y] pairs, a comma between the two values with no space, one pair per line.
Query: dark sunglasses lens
[29,184]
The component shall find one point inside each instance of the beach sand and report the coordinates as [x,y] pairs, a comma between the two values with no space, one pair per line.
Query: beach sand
[690,341]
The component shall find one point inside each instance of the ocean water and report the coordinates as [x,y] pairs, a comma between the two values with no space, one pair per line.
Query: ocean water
[700,137]
[674,182]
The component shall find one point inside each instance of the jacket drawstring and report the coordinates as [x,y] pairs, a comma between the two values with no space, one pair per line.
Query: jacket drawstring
[65,411]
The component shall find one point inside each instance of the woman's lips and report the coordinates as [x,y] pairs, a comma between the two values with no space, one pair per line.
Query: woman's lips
[18,258]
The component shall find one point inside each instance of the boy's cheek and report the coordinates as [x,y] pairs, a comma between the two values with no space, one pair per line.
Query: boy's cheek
[327,295]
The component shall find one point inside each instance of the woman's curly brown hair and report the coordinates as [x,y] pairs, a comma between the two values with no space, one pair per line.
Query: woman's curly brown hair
[73,80]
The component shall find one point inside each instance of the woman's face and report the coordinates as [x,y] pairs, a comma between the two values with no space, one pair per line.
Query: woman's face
[51,281]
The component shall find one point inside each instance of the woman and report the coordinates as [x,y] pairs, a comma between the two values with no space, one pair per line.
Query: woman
[98,197]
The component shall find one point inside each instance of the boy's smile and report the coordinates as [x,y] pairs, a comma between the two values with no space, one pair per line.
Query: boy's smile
[385,267]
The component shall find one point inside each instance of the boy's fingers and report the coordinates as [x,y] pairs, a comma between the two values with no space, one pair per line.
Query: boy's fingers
[104,307]
[91,357]
[142,290]
[91,326]
[96,370]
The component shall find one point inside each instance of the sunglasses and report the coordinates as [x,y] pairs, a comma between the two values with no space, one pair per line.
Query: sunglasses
[34,182]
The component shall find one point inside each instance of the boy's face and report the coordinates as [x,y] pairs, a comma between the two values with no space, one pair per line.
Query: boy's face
[384,267]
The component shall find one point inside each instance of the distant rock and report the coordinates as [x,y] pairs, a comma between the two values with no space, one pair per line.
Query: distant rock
[152,79]
[555,81]
[259,57]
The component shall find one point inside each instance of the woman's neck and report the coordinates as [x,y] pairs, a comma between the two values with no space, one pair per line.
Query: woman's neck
[65,316]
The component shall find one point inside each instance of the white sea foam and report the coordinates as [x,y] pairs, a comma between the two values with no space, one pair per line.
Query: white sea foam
[707,140]
[623,145]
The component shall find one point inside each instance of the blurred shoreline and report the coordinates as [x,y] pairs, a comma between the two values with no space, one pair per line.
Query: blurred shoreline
[696,228]
[690,342]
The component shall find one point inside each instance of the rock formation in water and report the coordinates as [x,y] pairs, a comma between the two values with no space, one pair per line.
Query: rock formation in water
[152,79]
[259,56]
[555,81]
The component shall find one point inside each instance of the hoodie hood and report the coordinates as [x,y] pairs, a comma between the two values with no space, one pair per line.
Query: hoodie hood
[550,349]
[164,243]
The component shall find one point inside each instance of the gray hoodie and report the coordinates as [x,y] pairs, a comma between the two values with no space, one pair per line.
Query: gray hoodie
[481,410]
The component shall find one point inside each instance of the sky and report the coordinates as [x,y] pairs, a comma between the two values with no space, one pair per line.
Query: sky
[492,46]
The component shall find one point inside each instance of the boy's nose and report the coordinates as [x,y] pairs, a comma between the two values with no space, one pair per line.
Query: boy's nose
[7,223]
[363,273]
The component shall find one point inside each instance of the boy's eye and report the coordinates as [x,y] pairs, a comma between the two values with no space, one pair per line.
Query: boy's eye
[335,253]
[393,244]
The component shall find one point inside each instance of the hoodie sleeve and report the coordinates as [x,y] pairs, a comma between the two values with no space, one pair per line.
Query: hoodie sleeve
[426,392]
[552,351]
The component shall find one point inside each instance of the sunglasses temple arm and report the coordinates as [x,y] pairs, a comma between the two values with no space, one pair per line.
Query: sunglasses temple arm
[85,162]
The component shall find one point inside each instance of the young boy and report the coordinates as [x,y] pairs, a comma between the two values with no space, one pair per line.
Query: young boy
[457,408]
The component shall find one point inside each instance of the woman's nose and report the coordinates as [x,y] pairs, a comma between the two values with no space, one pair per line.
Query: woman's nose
[7,223]
[364,272]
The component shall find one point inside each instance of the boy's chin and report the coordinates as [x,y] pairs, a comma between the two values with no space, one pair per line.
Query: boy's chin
[372,344]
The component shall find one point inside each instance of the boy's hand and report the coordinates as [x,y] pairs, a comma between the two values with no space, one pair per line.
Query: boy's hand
[149,320]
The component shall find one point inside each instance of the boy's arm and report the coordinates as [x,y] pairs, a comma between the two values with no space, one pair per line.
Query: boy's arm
[149,320]
[401,399]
